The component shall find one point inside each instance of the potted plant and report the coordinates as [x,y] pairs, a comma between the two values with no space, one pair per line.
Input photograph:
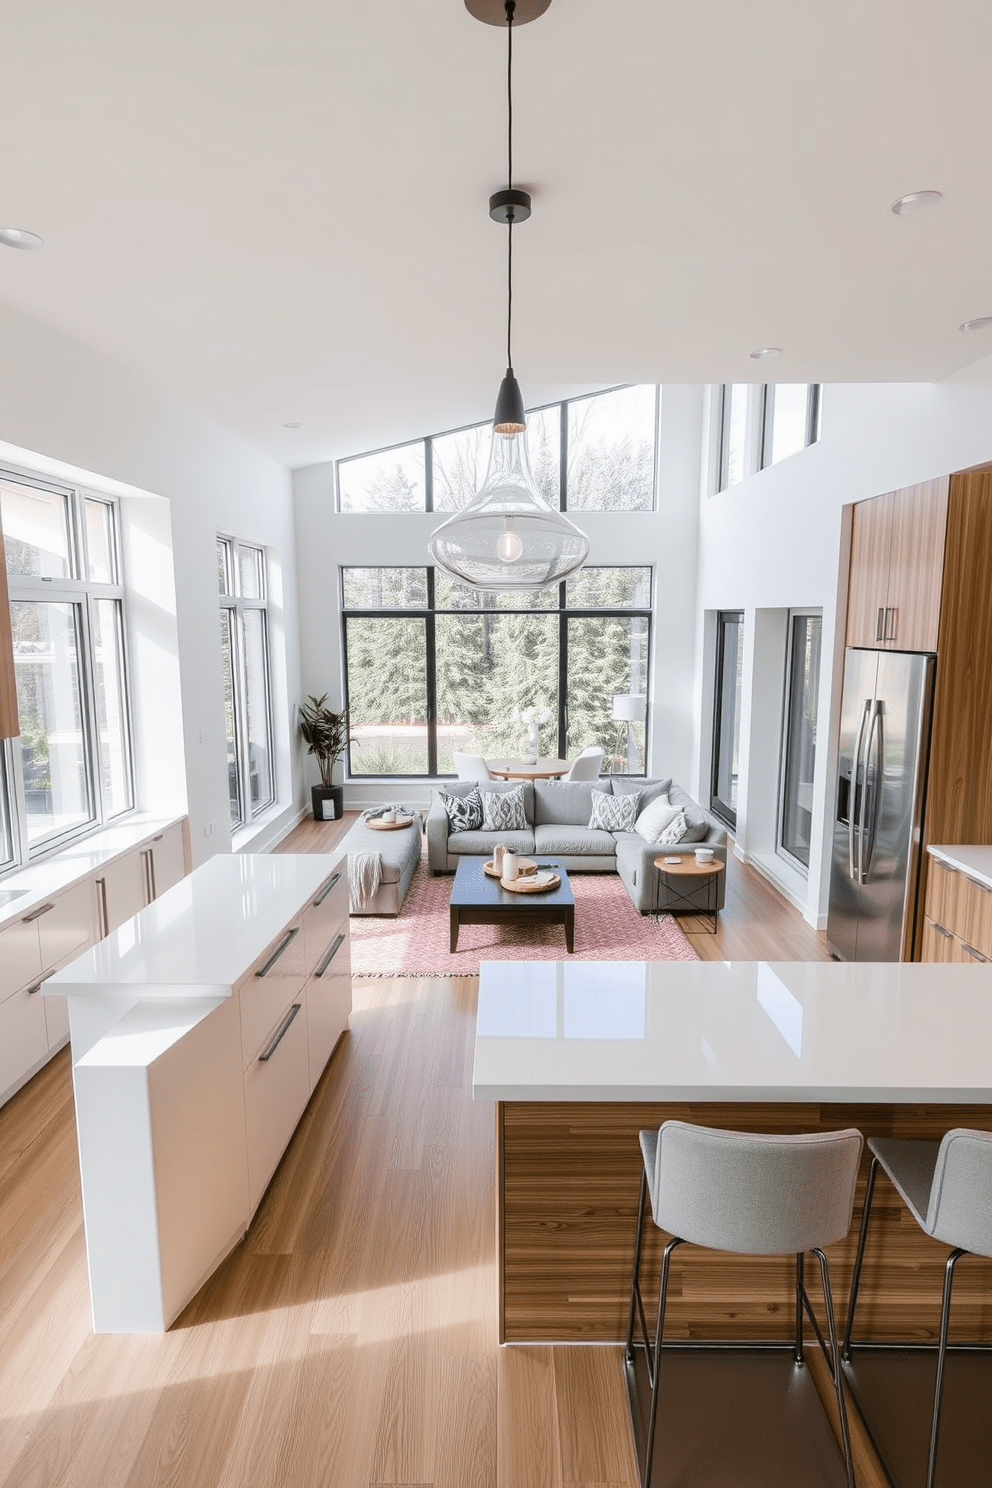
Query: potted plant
[326,733]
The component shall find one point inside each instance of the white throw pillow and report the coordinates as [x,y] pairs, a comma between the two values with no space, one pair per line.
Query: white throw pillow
[675,830]
[656,816]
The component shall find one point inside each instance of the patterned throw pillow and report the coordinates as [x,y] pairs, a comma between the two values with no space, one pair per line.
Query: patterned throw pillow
[613,813]
[675,831]
[464,812]
[503,811]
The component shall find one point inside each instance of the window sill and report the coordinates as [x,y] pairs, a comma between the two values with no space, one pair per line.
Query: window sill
[243,839]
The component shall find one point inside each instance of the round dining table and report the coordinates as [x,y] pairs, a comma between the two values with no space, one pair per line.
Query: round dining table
[518,769]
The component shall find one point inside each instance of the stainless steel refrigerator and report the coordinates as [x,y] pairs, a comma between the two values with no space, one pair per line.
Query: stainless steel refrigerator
[879,802]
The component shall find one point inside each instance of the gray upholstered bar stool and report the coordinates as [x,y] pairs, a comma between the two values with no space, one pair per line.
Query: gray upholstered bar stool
[947,1187]
[751,1195]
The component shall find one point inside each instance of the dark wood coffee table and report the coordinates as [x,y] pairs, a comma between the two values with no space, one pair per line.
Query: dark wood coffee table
[477,899]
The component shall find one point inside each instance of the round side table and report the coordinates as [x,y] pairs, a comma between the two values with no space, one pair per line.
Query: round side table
[684,881]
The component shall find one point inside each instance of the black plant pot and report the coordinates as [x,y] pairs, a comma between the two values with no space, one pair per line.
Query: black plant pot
[328,802]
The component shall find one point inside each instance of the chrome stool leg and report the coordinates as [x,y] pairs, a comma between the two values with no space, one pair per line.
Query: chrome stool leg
[858,1259]
[945,1318]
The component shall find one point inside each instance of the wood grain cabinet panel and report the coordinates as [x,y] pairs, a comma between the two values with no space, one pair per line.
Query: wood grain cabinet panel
[974,920]
[916,567]
[943,887]
[867,599]
[938,943]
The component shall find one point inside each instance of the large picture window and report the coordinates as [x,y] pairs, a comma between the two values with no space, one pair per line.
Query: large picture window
[70,769]
[597,453]
[727,715]
[244,647]
[799,744]
[433,667]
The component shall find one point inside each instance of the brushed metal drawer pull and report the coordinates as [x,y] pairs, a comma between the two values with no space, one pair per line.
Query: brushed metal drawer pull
[985,888]
[159,837]
[879,625]
[101,884]
[36,914]
[947,867]
[972,952]
[336,944]
[34,989]
[290,934]
[326,890]
[283,1030]
[940,929]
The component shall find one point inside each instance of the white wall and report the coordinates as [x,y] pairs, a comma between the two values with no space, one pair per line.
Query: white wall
[327,540]
[779,541]
[67,409]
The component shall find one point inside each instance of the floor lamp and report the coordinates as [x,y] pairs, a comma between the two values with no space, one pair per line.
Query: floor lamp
[631,708]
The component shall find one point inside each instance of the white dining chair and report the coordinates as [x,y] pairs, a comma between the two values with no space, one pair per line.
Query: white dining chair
[471,767]
[587,764]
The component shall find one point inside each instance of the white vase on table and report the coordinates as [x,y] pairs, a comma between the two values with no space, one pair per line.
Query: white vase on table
[534,739]
[511,868]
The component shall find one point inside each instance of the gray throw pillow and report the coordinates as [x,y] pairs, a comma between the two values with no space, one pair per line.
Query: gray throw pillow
[613,813]
[464,812]
[503,811]
[697,828]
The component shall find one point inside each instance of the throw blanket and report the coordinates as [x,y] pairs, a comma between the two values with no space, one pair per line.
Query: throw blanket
[364,873]
[365,868]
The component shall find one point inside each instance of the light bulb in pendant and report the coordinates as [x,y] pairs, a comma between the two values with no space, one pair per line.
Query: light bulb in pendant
[509,547]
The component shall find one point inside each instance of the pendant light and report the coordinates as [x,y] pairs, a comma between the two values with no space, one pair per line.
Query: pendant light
[508,539]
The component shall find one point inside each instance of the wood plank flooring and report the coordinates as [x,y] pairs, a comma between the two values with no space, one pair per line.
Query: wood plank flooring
[351,1338]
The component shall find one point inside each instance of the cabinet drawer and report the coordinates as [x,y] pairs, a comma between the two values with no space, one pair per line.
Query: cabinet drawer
[275,981]
[323,915]
[56,1020]
[69,926]
[943,893]
[276,1091]
[329,1001]
[938,943]
[20,956]
[23,1036]
[168,860]
[974,914]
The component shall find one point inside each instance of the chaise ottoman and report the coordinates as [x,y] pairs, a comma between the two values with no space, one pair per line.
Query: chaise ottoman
[399,854]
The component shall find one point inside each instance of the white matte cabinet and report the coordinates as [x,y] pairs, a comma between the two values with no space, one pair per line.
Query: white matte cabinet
[199,1031]
[40,931]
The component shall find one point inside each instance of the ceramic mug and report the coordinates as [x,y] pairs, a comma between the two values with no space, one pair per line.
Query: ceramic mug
[511,868]
[388,816]
[704,855]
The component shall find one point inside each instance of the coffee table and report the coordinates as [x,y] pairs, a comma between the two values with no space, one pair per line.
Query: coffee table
[690,878]
[477,899]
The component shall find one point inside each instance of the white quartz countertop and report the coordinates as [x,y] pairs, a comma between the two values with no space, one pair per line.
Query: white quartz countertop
[51,875]
[197,939]
[974,859]
[735,1031]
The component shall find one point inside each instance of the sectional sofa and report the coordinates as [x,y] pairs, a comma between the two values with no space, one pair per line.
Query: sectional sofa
[558,814]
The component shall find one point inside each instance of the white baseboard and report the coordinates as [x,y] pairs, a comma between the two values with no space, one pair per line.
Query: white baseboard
[781,881]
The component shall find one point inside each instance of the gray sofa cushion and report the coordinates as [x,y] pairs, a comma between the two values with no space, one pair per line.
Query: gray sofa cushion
[565,802]
[648,790]
[577,841]
[484,842]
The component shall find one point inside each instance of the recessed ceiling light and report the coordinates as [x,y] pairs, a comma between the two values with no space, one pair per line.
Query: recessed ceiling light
[19,237]
[764,351]
[983,323]
[294,425]
[915,201]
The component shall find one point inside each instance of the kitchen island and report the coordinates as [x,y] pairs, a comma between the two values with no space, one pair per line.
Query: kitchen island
[579,1057]
[199,1030]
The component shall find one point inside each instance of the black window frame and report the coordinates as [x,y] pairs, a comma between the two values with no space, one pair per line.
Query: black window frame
[429,613]
[726,812]
[428,440]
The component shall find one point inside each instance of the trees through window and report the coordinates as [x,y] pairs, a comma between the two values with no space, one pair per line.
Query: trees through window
[433,667]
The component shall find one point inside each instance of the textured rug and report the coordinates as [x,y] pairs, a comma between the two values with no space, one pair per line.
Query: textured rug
[607,928]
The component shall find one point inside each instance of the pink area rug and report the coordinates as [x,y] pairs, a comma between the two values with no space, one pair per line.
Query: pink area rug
[607,928]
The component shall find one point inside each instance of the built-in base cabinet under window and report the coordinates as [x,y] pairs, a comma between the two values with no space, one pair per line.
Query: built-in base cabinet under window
[47,935]
[957,927]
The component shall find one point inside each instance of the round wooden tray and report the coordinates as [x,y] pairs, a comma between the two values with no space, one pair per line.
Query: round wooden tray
[381,826]
[524,865]
[528,886]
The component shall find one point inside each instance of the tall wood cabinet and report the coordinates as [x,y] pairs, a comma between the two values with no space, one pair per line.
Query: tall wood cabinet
[921,580]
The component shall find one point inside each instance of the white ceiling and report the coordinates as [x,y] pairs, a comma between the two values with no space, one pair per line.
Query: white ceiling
[279,211]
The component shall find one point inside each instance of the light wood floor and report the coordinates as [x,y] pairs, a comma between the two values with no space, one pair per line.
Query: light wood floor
[351,1338]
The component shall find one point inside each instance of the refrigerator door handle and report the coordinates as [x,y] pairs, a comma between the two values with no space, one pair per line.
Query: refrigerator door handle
[853,806]
[864,859]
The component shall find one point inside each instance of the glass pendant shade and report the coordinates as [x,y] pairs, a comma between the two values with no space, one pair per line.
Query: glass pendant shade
[508,539]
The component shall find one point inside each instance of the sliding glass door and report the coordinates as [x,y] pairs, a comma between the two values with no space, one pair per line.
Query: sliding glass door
[799,744]
[727,715]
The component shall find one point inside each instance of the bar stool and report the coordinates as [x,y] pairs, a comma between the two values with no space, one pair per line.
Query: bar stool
[947,1187]
[751,1195]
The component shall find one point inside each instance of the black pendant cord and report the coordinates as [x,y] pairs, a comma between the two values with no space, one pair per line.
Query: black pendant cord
[511,6]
